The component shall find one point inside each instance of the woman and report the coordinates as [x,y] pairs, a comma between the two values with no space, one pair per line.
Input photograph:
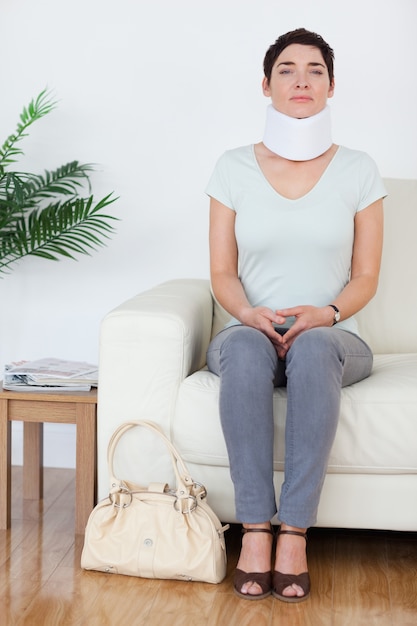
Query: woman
[295,249]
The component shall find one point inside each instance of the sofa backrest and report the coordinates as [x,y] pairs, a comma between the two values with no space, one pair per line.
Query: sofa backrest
[389,322]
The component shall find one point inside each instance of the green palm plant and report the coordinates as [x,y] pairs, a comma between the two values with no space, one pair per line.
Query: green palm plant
[47,215]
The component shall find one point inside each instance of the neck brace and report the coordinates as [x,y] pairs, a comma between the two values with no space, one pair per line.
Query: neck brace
[298,139]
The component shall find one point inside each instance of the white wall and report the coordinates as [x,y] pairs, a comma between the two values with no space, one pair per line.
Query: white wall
[153,91]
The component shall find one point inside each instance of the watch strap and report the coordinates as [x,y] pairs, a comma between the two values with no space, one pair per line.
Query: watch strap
[336,317]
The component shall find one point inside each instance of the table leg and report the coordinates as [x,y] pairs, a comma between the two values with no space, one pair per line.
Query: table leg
[32,460]
[5,466]
[85,472]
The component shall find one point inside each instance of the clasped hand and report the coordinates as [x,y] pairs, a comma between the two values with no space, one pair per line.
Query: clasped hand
[306,317]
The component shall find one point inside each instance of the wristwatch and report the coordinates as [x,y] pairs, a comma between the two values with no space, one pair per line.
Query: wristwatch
[336,317]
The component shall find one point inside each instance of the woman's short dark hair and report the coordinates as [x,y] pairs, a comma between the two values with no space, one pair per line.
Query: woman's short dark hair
[305,38]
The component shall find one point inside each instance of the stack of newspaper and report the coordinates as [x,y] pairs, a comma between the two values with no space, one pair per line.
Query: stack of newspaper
[50,375]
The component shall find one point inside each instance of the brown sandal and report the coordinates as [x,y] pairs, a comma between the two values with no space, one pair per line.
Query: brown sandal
[281,581]
[263,579]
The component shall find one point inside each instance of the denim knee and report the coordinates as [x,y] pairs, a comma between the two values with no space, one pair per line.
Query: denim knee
[343,355]
[243,348]
[316,344]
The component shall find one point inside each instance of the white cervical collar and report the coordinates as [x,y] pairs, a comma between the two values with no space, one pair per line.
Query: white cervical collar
[298,139]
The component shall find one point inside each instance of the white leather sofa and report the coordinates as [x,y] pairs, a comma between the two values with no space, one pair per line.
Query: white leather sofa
[152,365]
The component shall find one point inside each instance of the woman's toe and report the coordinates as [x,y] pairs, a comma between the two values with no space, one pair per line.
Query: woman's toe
[292,591]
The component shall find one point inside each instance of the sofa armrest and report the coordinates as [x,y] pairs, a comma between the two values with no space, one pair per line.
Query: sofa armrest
[148,345]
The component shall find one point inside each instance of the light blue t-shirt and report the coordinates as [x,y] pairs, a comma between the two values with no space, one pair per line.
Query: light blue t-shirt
[295,252]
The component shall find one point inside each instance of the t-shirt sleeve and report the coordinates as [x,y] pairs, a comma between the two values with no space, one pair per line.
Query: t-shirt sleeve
[219,184]
[371,184]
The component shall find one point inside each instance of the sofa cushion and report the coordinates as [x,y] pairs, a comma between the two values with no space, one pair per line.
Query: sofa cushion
[378,416]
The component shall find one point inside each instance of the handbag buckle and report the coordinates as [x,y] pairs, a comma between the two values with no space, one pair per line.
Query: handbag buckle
[122,491]
[180,508]
[199,490]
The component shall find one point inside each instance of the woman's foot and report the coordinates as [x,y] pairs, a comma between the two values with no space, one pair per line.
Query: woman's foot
[291,581]
[253,572]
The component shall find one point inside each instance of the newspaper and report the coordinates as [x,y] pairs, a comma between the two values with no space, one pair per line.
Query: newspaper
[50,374]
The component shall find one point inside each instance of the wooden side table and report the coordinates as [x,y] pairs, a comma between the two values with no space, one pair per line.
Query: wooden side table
[34,409]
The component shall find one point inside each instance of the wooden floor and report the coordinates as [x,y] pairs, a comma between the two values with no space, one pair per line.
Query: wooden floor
[358,578]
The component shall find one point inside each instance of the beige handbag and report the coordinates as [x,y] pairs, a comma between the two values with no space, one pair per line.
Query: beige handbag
[155,531]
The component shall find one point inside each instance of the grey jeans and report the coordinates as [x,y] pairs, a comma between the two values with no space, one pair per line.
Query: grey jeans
[319,363]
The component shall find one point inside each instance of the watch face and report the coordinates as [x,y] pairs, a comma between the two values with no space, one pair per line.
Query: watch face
[336,316]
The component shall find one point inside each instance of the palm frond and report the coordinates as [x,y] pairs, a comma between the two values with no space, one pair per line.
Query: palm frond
[59,230]
[46,214]
[12,192]
[65,180]
[37,108]
[11,202]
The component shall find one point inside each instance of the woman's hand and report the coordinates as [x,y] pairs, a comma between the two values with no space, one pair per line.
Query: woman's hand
[306,317]
[263,319]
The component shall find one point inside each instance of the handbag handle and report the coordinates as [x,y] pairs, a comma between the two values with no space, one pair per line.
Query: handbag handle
[184,479]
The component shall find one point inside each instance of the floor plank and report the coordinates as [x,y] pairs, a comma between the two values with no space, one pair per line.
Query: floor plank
[361,589]
[358,577]
[402,568]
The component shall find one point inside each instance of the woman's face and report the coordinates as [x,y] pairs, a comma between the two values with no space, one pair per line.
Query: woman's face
[299,84]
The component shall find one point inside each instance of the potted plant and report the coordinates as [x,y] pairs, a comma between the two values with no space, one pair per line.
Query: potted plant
[47,215]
